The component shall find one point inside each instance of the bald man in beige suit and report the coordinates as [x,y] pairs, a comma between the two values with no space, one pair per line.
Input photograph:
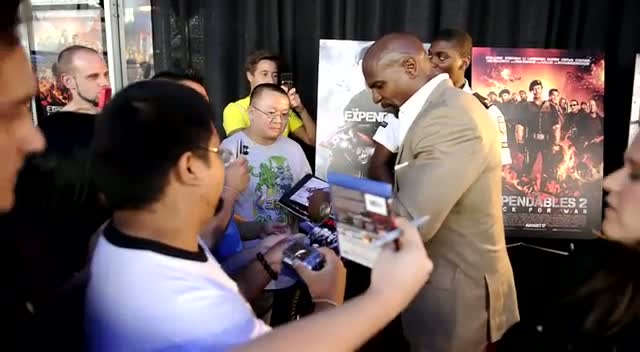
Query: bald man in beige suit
[448,167]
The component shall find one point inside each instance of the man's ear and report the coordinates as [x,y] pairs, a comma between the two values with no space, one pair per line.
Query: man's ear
[466,61]
[250,112]
[410,66]
[249,76]
[68,81]
[186,170]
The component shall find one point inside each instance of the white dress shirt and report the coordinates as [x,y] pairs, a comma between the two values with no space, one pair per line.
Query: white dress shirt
[391,136]
[410,109]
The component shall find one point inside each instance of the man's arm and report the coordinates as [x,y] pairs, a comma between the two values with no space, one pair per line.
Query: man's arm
[449,156]
[254,277]
[348,326]
[236,182]
[379,166]
[305,129]
[306,132]
[214,229]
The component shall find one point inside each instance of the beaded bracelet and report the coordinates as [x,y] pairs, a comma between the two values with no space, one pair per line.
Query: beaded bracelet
[266,266]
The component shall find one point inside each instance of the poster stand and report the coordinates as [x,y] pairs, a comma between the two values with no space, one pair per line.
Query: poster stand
[540,248]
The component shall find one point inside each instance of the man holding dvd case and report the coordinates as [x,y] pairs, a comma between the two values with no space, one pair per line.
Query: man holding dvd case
[448,168]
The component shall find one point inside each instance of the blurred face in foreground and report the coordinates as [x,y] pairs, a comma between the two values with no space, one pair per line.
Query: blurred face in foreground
[18,136]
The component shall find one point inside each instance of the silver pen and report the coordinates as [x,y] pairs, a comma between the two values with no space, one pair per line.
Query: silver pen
[394,234]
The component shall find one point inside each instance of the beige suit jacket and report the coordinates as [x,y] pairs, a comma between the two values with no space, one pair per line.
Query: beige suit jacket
[454,175]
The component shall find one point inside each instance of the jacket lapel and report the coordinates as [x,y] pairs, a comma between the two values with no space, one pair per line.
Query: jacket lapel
[435,95]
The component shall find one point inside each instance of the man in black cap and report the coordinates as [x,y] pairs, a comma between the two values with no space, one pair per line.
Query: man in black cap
[542,126]
[505,96]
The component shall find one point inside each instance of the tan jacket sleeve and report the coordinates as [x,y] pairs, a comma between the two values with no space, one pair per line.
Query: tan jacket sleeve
[448,156]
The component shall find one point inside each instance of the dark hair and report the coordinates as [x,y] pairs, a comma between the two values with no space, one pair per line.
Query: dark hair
[523,91]
[254,58]
[55,188]
[460,38]
[9,19]
[492,92]
[572,100]
[177,76]
[505,91]
[613,293]
[141,135]
[553,90]
[65,58]
[265,87]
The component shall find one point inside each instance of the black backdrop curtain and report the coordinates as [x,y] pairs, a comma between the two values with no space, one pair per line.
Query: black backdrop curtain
[216,36]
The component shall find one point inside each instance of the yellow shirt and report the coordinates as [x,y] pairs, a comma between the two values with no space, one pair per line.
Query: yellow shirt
[236,117]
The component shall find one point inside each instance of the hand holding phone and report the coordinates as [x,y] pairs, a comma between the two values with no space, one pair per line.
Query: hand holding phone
[286,80]
[309,256]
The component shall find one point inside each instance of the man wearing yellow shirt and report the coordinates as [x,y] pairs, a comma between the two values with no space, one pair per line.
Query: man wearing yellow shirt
[262,67]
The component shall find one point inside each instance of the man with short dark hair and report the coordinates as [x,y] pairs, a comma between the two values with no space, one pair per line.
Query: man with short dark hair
[155,287]
[543,130]
[505,96]
[264,67]
[84,72]
[188,78]
[164,188]
[523,96]
[18,138]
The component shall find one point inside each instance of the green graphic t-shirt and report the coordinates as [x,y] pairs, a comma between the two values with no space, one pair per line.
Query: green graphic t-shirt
[274,170]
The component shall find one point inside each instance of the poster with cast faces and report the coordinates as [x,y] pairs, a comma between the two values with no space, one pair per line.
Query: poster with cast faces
[634,120]
[552,101]
[53,31]
[347,117]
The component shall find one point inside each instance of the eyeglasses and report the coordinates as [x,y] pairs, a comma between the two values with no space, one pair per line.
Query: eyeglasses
[272,116]
[573,105]
[225,154]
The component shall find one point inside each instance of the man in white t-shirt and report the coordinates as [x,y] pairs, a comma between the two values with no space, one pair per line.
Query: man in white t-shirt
[276,163]
[154,285]
[450,51]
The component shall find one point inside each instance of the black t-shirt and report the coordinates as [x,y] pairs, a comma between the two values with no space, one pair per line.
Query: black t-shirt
[45,237]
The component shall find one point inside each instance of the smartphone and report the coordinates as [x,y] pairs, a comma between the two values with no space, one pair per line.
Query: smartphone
[307,254]
[286,80]
[104,98]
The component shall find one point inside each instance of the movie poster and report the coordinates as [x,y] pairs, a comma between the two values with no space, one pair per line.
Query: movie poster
[552,101]
[54,30]
[634,120]
[347,116]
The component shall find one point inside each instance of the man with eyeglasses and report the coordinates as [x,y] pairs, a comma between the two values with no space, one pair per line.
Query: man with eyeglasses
[276,163]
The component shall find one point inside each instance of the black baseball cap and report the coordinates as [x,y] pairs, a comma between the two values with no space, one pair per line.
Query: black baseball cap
[535,82]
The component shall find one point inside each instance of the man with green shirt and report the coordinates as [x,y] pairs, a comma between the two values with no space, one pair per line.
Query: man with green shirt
[263,67]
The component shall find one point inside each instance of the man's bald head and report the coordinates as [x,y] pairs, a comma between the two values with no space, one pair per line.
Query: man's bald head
[395,45]
[395,67]
[83,71]
[68,57]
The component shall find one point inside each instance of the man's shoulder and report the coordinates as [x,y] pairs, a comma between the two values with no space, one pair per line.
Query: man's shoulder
[483,100]
[232,139]
[240,105]
[289,144]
